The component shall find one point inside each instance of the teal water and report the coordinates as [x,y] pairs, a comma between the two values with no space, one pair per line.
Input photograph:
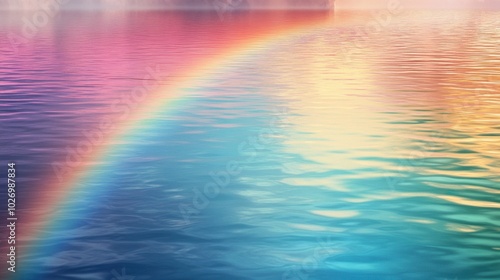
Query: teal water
[333,154]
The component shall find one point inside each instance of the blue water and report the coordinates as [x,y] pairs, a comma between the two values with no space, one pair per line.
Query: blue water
[332,154]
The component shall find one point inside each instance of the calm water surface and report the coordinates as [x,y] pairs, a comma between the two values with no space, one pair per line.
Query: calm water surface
[329,154]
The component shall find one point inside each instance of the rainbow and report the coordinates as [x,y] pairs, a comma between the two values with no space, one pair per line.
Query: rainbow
[60,196]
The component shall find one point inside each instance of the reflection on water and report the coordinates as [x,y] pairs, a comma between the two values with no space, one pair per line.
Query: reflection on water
[354,156]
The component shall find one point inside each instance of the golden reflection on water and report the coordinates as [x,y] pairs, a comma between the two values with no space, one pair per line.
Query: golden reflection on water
[412,92]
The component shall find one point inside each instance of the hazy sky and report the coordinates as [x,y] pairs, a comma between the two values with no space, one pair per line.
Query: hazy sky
[446,4]
[340,4]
